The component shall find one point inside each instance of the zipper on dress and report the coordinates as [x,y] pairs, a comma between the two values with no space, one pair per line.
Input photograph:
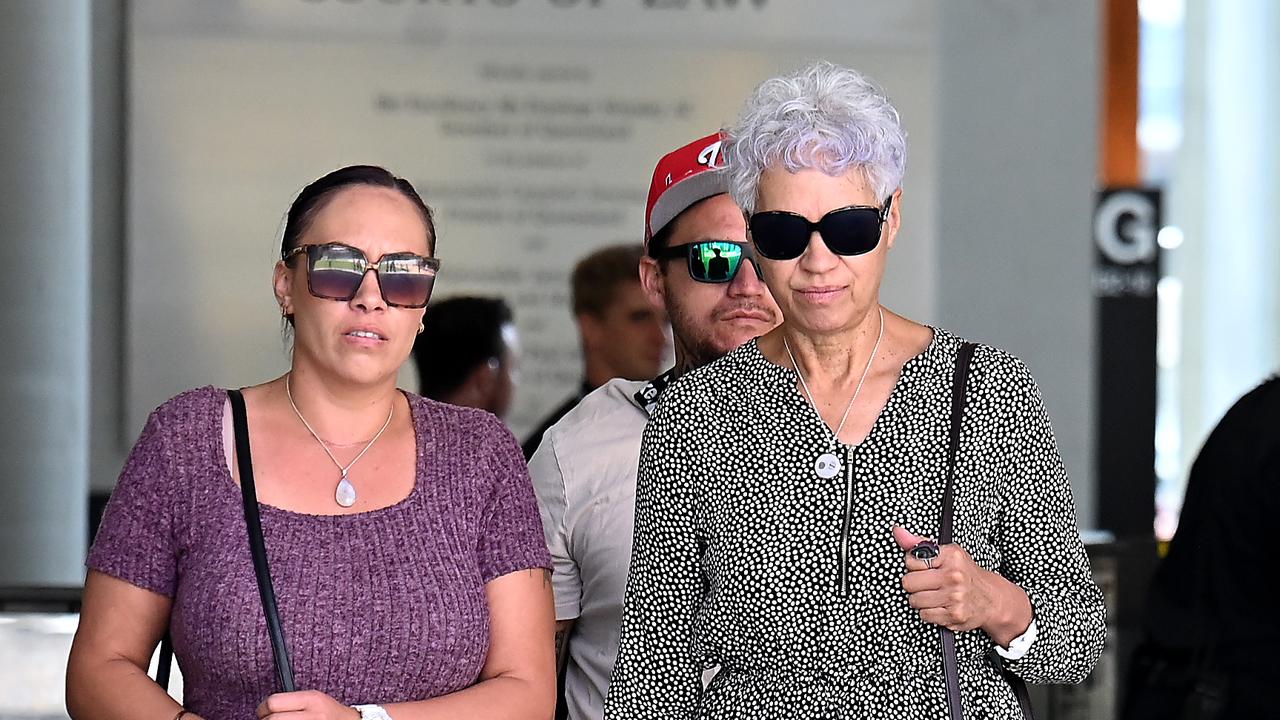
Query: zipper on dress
[843,573]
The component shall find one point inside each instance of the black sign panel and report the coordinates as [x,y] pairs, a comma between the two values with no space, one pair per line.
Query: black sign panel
[1126,270]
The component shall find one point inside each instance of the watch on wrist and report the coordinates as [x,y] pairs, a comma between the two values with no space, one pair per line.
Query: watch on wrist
[1019,646]
[371,712]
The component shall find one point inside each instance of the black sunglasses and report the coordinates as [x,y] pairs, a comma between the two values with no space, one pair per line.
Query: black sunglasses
[335,272]
[853,230]
[712,261]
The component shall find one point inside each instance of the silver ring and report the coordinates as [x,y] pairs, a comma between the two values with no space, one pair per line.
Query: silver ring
[927,551]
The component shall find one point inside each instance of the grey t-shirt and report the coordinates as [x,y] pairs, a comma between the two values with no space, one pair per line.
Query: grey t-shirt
[584,473]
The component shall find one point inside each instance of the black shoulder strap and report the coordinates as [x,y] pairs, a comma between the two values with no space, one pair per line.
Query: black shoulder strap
[963,359]
[950,662]
[244,462]
[164,663]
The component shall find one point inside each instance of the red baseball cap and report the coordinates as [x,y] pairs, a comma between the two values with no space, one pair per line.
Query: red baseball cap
[683,177]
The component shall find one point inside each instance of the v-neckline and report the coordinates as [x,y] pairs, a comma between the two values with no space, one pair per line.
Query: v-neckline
[883,418]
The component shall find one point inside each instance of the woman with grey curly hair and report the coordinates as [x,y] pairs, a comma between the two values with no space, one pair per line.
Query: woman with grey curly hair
[828,511]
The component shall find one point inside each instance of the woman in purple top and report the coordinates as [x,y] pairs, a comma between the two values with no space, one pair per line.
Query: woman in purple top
[403,536]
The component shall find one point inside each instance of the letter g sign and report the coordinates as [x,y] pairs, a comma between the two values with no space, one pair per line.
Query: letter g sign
[1124,226]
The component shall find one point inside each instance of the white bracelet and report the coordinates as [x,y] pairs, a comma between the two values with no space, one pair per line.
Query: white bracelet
[371,712]
[1019,645]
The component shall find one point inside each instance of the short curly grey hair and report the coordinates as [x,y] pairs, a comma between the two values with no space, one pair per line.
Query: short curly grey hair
[823,116]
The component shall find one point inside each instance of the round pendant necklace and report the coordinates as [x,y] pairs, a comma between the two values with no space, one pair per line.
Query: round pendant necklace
[345,494]
[827,465]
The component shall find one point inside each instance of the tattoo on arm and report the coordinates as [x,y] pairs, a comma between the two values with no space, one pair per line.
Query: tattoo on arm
[562,643]
[560,647]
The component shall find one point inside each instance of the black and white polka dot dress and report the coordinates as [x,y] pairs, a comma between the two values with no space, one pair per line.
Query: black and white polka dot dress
[745,557]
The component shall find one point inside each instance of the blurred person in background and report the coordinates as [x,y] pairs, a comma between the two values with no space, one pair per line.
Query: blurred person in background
[585,470]
[783,487]
[468,353]
[403,534]
[622,335]
[1209,633]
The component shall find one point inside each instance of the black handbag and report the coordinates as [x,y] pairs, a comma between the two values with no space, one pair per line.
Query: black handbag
[1187,683]
[950,665]
[257,549]
[1177,684]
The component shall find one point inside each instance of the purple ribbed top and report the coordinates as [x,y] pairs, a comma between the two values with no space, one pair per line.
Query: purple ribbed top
[378,607]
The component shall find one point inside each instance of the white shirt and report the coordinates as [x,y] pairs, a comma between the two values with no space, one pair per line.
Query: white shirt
[584,473]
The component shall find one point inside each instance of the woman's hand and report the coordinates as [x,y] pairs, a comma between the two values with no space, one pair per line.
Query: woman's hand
[305,705]
[952,591]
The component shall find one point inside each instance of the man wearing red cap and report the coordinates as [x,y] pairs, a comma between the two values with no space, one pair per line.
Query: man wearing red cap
[699,268]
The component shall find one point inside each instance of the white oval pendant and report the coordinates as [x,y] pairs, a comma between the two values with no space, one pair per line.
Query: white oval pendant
[345,495]
[827,466]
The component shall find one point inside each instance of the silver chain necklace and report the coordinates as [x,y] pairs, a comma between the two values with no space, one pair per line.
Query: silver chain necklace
[345,494]
[856,390]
